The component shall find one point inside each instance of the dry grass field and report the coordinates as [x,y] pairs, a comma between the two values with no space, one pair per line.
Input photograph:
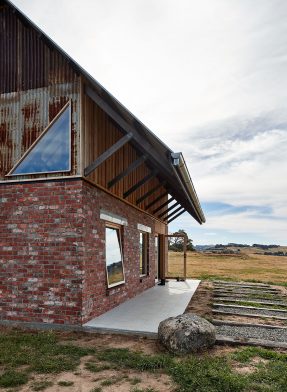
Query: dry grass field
[245,266]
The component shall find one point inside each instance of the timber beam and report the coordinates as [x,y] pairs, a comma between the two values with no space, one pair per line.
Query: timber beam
[156,200]
[168,209]
[109,152]
[172,213]
[150,192]
[127,171]
[140,183]
[163,205]
[176,216]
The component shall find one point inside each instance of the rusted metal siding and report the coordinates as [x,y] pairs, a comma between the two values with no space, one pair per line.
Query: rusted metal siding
[99,133]
[36,81]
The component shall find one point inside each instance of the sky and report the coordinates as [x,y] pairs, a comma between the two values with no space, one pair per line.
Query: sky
[209,78]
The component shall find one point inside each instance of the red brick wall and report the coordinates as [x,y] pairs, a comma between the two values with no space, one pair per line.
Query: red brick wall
[97,299]
[52,262]
[41,228]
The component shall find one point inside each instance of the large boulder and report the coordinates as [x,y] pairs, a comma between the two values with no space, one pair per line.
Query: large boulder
[186,333]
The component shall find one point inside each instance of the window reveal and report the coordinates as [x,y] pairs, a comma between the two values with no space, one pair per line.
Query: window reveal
[114,257]
[144,257]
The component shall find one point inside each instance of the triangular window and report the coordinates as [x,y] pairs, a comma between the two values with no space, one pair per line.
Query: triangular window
[51,152]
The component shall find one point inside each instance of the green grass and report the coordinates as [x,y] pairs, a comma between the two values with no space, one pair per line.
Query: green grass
[41,385]
[135,380]
[37,352]
[65,383]
[12,378]
[127,359]
[22,354]
[245,355]
[270,376]
[96,389]
[95,368]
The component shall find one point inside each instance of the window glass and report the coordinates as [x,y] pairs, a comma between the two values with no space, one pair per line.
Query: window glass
[114,259]
[52,153]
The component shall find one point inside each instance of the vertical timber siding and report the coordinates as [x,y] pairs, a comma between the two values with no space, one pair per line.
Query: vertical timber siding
[99,133]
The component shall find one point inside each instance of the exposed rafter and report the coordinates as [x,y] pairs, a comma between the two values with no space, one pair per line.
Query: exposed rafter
[109,152]
[157,199]
[176,216]
[140,183]
[168,209]
[163,205]
[172,213]
[127,171]
[150,192]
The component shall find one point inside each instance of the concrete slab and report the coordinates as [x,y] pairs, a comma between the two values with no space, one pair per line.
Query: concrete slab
[142,314]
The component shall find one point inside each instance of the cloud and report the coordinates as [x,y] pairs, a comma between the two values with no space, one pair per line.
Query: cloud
[209,79]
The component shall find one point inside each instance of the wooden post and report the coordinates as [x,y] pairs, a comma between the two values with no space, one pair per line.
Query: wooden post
[162,252]
[184,256]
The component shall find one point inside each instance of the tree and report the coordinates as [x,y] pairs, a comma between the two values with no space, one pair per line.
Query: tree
[176,243]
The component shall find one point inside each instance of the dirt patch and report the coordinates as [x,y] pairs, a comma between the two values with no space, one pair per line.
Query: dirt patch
[138,344]
[201,302]
[251,367]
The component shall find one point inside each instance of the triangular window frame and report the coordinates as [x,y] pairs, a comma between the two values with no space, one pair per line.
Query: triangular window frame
[39,138]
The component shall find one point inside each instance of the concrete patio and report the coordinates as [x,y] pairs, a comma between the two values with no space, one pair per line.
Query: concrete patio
[141,315]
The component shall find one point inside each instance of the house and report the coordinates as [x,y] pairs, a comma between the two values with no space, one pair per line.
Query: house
[86,190]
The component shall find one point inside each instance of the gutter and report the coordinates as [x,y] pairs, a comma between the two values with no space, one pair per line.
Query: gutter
[182,173]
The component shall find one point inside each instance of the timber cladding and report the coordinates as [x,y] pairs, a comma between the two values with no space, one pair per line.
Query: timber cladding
[98,134]
[52,252]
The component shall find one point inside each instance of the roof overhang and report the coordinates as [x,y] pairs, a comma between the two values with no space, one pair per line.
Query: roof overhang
[171,166]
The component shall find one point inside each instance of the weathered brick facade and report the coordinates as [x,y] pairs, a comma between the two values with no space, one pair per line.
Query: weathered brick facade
[52,252]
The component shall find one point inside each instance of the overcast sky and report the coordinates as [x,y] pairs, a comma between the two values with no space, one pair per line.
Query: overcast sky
[209,77]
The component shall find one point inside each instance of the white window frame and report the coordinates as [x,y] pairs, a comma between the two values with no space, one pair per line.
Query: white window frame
[119,228]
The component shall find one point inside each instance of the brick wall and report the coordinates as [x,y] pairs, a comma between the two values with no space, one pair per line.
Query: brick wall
[41,232]
[97,299]
[52,262]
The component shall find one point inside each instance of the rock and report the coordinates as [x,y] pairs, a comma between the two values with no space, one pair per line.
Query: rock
[186,333]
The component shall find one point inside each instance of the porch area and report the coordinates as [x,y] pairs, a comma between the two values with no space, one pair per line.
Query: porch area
[142,314]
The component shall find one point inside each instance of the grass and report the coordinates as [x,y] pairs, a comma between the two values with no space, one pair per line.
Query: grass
[35,352]
[95,368]
[65,383]
[246,266]
[132,360]
[41,385]
[200,373]
[12,378]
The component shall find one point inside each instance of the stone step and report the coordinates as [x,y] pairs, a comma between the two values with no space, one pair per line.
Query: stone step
[244,286]
[252,315]
[249,342]
[240,288]
[240,324]
[234,295]
[265,303]
[216,291]
[240,283]
[248,307]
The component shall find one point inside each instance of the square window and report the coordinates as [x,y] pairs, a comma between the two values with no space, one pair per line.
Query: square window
[114,256]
